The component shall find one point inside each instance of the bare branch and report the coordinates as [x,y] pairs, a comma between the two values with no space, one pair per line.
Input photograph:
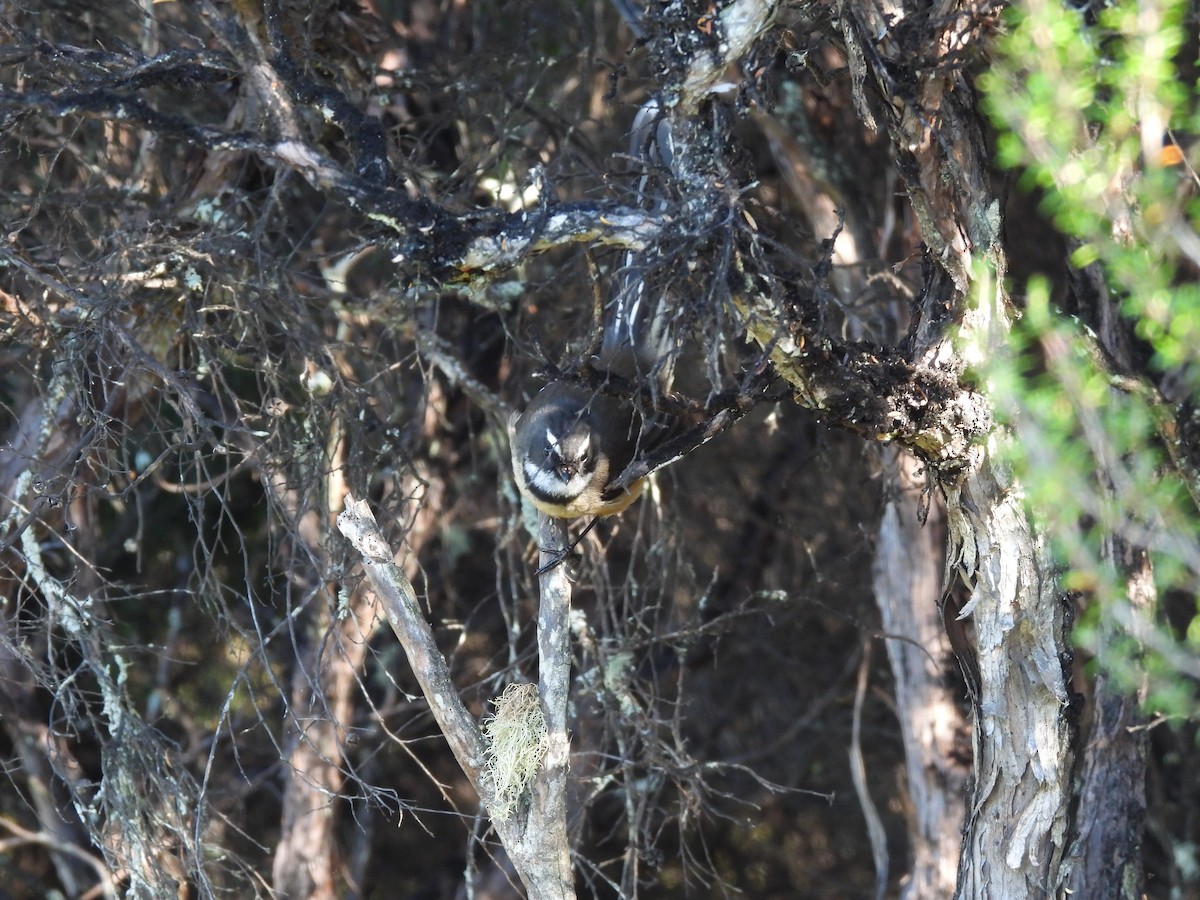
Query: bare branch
[404,614]
[549,801]
[536,837]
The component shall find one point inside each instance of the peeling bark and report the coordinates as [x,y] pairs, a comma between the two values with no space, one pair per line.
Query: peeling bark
[1017,823]
[1016,828]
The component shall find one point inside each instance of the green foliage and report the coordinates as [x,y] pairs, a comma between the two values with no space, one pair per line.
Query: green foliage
[1094,114]
[1085,110]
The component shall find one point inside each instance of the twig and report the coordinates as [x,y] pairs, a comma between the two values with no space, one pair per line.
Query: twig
[40,838]
[875,831]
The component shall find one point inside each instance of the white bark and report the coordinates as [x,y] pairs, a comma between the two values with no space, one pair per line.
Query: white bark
[907,579]
[1016,827]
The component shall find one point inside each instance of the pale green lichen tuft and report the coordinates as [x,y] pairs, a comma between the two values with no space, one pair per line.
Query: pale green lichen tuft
[517,741]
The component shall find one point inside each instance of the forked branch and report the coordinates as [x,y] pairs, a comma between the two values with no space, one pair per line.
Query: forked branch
[533,833]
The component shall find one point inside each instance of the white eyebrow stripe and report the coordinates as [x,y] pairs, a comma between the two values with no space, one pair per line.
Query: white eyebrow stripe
[551,439]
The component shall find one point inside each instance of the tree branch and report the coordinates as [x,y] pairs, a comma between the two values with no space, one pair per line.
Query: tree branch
[534,835]
[404,614]
[549,795]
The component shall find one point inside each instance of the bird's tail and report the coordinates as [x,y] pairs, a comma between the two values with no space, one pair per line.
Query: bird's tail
[637,340]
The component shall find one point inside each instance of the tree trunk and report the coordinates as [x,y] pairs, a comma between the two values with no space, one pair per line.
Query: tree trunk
[320,706]
[322,700]
[1106,855]
[907,577]
[322,703]
[1016,828]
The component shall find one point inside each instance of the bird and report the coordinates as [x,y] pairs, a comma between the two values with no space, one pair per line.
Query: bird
[573,441]
[568,447]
